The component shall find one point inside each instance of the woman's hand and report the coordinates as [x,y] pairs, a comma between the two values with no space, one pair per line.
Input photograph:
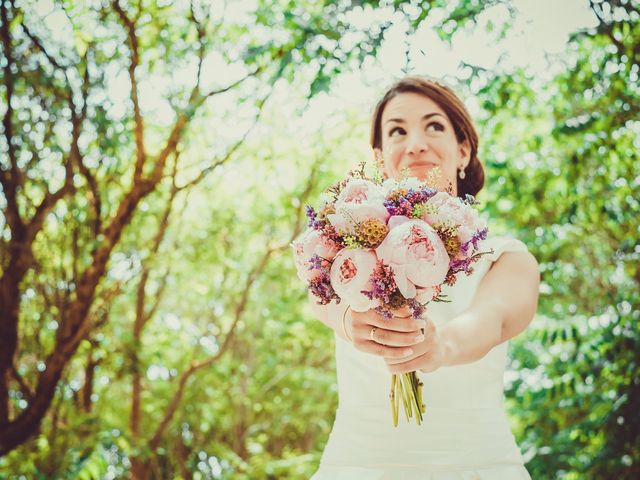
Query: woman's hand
[428,354]
[394,339]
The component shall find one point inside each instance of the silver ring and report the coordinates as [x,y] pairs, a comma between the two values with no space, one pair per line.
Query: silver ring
[373,330]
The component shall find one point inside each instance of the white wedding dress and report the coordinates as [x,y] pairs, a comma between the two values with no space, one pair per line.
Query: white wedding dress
[465,434]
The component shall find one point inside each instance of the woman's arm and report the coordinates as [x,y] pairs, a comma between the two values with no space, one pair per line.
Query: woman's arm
[503,306]
[330,314]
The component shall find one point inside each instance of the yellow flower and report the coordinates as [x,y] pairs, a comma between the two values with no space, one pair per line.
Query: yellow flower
[371,232]
[452,244]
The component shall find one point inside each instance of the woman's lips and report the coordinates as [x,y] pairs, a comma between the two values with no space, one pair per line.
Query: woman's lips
[422,164]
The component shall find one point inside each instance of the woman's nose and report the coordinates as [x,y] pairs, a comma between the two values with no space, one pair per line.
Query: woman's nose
[417,144]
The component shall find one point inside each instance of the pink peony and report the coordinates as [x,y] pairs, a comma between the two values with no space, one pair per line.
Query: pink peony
[311,243]
[396,220]
[443,208]
[471,223]
[391,184]
[425,295]
[416,254]
[358,201]
[350,275]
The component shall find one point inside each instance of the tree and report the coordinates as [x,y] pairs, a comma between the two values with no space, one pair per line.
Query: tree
[79,163]
[568,189]
[71,154]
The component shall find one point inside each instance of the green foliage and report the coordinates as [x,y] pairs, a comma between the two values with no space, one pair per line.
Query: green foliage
[569,189]
[561,163]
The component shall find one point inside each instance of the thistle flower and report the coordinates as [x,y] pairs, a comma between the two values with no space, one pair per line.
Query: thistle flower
[311,213]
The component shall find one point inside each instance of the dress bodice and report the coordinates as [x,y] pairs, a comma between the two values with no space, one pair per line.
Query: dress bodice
[465,427]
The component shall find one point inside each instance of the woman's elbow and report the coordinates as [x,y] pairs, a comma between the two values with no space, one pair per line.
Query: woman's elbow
[525,299]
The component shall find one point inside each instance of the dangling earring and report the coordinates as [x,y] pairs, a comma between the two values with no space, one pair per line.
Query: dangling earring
[461,173]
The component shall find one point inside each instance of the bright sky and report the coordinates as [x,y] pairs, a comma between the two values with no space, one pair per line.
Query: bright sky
[541,27]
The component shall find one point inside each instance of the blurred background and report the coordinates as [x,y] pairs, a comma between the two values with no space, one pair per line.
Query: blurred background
[155,160]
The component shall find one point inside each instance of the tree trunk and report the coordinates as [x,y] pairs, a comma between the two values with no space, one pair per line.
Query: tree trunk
[9,314]
[71,331]
[140,469]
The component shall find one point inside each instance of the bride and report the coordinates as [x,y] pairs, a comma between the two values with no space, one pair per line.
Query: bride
[459,349]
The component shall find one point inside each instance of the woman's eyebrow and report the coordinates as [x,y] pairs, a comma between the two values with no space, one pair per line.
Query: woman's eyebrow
[425,117]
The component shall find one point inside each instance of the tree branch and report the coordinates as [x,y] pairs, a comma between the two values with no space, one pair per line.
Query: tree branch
[94,191]
[205,171]
[232,85]
[606,27]
[142,316]
[11,178]
[75,325]
[89,372]
[311,181]
[94,197]
[195,366]
[202,40]
[137,115]
[51,198]
[27,392]
[75,157]
[36,41]
[238,314]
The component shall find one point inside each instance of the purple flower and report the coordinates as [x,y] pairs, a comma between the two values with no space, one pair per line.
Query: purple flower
[321,288]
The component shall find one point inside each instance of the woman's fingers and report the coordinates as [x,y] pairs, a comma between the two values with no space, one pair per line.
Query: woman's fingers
[403,324]
[386,351]
[373,319]
[424,350]
[403,312]
[391,338]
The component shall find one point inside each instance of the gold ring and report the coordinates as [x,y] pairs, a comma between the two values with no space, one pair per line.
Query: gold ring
[373,330]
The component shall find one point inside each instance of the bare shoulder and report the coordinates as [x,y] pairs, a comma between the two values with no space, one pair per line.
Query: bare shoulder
[518,263]
[512,287]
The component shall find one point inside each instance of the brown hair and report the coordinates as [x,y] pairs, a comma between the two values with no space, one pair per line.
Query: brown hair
[458,116]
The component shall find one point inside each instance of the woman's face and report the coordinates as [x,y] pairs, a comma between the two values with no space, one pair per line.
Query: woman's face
[417,135]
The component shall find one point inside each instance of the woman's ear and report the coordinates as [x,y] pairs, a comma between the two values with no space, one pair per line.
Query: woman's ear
[464,150]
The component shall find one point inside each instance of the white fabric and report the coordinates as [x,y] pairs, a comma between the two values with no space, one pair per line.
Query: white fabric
[465,434]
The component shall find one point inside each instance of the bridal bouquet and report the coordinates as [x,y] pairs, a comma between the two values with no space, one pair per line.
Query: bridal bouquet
[385,245]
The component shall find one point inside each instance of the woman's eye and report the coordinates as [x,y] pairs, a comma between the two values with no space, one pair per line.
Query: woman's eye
[435,127]
[396,129]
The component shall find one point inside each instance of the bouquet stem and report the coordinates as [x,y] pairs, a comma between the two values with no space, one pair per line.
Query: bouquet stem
[407,387]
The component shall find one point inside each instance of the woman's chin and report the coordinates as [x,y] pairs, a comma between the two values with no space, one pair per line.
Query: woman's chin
[428,174]
[420,172]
